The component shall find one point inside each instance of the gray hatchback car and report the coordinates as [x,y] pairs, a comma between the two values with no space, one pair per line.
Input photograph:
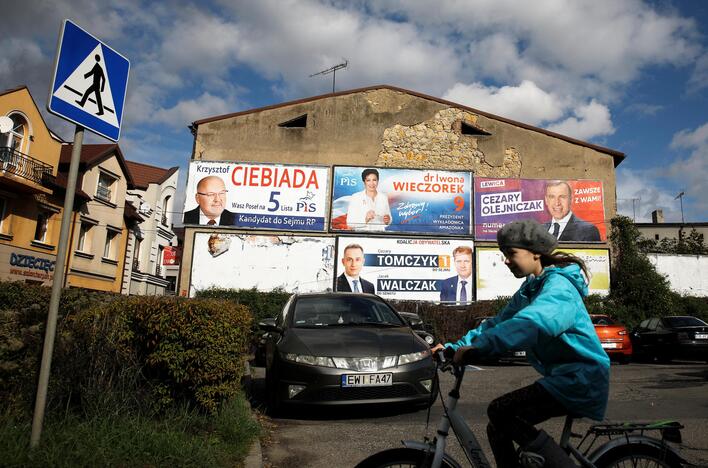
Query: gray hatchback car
[344,349]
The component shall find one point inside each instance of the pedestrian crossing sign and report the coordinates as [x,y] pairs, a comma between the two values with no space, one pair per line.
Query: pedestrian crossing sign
[90,82]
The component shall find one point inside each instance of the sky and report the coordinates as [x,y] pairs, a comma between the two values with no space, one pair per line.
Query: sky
[629,75]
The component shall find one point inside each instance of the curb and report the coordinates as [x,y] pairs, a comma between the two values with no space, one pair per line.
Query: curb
[254,459]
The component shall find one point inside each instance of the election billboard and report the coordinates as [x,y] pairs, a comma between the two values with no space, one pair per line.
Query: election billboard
[401,200]
[241,261]
[495,280]
[572,210]
[406,269]
[259,196]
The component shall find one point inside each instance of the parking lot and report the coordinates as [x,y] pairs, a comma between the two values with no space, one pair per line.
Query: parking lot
[342,437]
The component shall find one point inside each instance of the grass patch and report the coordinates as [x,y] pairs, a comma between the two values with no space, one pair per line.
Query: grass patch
[178,438]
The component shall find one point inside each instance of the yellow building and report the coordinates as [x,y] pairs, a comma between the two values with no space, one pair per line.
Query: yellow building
[31,197]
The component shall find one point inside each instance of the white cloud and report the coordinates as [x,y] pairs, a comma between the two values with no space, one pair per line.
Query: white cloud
[688,139]
[644,188]
[590,120]
[187,111]
[526,103]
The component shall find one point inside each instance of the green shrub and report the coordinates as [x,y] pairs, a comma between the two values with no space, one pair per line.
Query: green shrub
[117,353]
[190,350]
[261,304]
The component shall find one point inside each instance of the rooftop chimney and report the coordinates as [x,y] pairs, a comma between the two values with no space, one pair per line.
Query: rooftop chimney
[657,216]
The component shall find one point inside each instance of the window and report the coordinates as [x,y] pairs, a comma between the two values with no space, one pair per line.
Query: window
[297,122]
[84,240]
[40,232]
[16,136]
[466,128]
[136,254]
[108,248]
[105,182]
[165,210]
[3,207]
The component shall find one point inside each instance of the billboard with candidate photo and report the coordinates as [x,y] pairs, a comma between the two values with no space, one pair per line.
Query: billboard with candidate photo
[261,196]
[366,199]
[572,210]
[495,280]
[406,269]
[241,261]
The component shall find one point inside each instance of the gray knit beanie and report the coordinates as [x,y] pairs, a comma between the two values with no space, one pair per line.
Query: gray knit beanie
[527,234]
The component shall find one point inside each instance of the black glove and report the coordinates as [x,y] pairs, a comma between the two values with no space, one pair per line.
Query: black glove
[449,353]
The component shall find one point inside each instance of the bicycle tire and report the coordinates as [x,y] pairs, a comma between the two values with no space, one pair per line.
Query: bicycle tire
[638,455]
[400,458]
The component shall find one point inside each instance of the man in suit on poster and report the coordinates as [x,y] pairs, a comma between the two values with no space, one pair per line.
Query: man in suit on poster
[459,287]
[564,225]
[211,198]
[350,281]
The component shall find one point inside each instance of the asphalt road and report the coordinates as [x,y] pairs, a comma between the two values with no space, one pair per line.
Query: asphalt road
[341,438]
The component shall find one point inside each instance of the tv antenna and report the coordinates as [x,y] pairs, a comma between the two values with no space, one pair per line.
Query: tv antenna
[333,71]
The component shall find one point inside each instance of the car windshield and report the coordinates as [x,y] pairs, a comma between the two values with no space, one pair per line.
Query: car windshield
[602,320]
[678,322]
[324,311]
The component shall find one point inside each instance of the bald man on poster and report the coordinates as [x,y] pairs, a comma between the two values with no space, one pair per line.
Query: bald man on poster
[211,198]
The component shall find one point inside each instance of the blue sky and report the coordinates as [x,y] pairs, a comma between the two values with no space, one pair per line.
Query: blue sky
[630,75]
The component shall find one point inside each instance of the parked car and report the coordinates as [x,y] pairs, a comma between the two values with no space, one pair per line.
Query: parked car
[667,338]
[614,337]
[345,349]
[513,355]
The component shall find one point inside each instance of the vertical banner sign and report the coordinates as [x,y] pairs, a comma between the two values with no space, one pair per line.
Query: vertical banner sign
[259,196]
[495,280]
[239,261]
[90,82]
[401,200]
[572,210]
[406,269]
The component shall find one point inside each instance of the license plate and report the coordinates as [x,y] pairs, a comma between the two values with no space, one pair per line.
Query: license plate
[367,380]
[610,345]
[702,336]
[519,353]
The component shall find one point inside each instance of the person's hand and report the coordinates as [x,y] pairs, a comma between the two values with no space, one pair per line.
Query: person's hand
[465,355]
[387,219]
[369,215]
[437,348]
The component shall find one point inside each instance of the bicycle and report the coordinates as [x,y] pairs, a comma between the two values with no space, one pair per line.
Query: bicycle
[626,445]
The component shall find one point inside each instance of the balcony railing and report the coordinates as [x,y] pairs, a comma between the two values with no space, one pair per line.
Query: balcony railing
[104,193]
[24,166]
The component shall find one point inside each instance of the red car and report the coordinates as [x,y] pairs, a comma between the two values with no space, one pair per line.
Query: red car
[613,337]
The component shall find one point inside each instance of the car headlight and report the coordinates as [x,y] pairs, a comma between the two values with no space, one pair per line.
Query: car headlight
[321,361]
[413,357]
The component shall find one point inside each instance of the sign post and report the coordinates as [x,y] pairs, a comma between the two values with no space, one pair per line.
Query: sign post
[89,86]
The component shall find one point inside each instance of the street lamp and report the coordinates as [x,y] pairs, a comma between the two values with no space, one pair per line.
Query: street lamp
[680,197]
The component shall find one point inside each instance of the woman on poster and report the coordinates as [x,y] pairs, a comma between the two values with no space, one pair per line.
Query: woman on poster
[369,210]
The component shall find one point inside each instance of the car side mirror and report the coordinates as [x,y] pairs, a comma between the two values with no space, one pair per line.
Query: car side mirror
[269,325]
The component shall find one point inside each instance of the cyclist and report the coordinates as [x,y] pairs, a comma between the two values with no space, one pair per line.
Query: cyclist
[547,318]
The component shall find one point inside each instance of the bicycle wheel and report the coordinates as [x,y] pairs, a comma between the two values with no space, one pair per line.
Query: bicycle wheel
[400,458]
[638,455]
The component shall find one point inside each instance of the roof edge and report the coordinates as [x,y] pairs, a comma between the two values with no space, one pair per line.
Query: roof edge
[617,155]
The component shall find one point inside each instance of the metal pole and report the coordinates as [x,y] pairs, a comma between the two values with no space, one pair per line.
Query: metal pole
[334,77]
[681,200]
[40,403]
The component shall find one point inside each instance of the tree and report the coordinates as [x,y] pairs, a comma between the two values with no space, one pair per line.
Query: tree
[637,289]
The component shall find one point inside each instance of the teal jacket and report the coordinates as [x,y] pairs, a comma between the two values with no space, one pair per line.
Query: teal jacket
[547,318]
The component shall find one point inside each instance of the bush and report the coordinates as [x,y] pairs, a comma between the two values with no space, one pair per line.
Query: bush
[261,304]
[117,353]
[189,350]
